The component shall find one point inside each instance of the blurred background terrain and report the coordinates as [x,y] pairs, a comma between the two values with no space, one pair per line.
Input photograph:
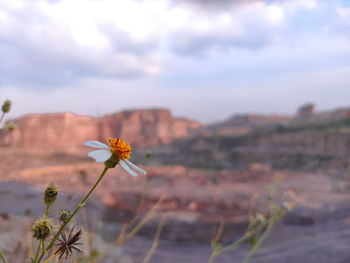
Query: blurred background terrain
[206,174]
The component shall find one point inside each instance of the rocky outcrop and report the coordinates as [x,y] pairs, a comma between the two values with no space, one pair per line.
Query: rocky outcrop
[67,131]
[244,123]
[305,118]
[305,150]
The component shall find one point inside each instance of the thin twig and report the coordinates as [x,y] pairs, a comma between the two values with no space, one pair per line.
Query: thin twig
[260,241]
[149,216]
[219,232]
[141,204]
[156,240]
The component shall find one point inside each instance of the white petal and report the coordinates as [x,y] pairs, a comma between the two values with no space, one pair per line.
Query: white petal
[133,166]
[96,144]
[127,168]
[100,155]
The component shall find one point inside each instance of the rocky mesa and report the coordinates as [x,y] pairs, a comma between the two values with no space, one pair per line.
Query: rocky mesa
[67,131]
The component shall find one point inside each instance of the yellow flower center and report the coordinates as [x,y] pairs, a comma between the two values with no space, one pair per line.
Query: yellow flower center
[119,148]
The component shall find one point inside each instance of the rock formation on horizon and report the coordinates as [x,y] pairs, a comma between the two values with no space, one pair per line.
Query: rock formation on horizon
[67,131]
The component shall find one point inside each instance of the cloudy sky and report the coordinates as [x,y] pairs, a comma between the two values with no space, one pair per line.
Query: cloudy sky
[204,59]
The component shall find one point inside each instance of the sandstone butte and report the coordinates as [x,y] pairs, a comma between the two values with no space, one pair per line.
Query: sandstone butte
[62,132]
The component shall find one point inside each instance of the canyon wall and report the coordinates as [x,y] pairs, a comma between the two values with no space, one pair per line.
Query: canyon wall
[306,150]
[67,131]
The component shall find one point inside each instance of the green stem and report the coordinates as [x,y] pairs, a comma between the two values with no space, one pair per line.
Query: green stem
[51,258]
[260,241]
[219,251]
[47,211]
[2,257]
[82,203]
[212,257]
[43,247]
[2,117]
[235,244]
[37,251]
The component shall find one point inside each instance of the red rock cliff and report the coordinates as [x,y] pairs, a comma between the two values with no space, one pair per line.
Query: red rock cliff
[67,131]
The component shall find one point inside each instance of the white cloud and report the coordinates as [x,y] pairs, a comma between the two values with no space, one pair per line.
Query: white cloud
[120,38]
[184,55]
[68,37]
[249,26]
[302,4]
[344,15]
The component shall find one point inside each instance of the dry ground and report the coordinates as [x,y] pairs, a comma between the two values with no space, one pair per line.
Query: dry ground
[318,230]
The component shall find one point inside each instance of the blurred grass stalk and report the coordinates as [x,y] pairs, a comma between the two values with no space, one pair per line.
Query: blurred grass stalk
[2,257]
[257,224]
[276,216]
[149,216]
[156,240]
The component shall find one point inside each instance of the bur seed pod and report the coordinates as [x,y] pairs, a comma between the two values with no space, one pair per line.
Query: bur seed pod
[42,228]
[64,215]
[50,195]
[6,106]
[148,155]
[11,127]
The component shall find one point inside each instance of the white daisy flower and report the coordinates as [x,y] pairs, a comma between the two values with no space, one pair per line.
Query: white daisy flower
[119,149]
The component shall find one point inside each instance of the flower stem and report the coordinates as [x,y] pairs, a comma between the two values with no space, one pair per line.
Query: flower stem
[2,257]
[220,251]
[51,258]
[260,241]
[2,116]
[82,203]
[37,251]
[46,211]
[155,241]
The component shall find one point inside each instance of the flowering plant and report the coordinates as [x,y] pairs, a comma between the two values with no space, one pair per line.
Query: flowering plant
[118,152]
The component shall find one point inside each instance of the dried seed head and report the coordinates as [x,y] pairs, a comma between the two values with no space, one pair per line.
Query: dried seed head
[66,245]
[11,127]
[42,228]
[64,215]
[50,194]
[6,106]
[148,155]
